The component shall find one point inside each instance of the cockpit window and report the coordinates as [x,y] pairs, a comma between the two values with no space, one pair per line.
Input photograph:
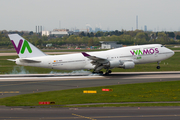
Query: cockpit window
[162,45]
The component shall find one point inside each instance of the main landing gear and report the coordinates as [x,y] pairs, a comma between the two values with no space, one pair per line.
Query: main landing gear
[108,72]
[158,67]
[101,72]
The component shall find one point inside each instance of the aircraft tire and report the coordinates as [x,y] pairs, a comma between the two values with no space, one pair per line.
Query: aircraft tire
[100,72]
[158,67]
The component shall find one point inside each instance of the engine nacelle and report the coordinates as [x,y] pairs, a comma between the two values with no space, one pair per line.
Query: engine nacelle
[128,65]
[113,64]
[120,64]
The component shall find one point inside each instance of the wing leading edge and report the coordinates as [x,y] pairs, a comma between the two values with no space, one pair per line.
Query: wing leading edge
[95,60]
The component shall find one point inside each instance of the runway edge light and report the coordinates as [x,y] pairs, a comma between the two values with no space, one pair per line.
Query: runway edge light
[89,91]
[104,89]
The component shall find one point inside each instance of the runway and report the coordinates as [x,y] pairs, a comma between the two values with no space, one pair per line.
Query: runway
[107,113]
[11,85]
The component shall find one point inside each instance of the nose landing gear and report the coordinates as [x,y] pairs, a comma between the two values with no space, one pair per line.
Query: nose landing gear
[158,67]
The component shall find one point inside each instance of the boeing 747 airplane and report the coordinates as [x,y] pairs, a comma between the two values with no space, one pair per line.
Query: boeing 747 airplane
[125,57]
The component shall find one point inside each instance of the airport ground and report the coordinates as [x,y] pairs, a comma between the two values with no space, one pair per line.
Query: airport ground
[40,83]
[15,85]
[105,113]
[31,83]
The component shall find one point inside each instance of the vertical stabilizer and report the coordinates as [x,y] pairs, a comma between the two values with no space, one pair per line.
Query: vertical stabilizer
[23,48]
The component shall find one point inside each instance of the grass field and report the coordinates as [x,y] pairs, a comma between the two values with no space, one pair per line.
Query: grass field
[8,67]
[141,92]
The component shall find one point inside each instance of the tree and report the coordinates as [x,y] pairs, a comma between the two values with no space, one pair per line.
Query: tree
[178,37]
[90,42]
[88,35]
[72,39]
[116,32]
[140,38]
[39,42]
[44,38]
[91,34]
[82,34]
[0,36]
[99,34]
[106,34]
[126,39]
[171,34]
[141,35]
[162,38]
[31,33]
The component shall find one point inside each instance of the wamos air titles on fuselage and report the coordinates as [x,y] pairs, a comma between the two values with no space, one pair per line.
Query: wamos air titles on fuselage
[125,57]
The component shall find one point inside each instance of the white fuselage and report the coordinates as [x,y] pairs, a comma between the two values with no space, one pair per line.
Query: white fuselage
[138,54]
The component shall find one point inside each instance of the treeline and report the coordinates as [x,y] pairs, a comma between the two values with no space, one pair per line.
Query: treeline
[136,37]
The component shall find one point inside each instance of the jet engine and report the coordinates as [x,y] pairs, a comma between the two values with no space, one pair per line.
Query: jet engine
[113,64]
[127,65]
[120,64]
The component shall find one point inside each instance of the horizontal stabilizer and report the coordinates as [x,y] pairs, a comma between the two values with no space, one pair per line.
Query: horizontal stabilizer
[14,60]
[29,61]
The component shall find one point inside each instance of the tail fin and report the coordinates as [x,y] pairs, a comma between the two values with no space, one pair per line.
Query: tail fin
[23,48]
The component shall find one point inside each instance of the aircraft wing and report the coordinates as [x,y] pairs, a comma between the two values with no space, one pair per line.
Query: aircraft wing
[95,60]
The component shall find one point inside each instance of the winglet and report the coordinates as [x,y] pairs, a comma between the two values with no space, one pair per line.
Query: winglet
[85,54]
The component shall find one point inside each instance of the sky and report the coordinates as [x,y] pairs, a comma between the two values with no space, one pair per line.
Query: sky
[157,15]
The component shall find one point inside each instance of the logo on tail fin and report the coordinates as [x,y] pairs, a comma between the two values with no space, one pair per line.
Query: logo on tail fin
[24,46]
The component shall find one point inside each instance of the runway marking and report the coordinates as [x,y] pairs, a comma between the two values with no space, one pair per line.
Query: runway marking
[136,116]
[39,118]
[24,83]
[47,78]
[33,81]
[83,116]
[153,76]
[90,118]
[9,92]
